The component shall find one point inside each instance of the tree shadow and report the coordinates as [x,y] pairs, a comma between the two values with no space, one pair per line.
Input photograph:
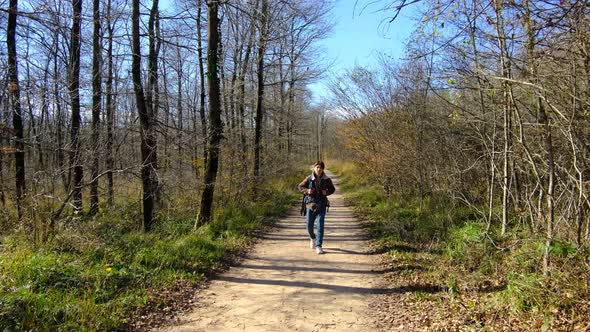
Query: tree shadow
[423,288]
[305,237]
[340,251]
[403,248]
[330,270]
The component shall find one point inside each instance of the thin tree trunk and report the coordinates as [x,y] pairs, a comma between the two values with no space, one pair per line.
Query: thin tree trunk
[548,143]
[17,121]
[282,108]
[44,111]
[153,95]
[506,111]
[166,157]
[242,91]
[291,103]
[180,110]
[259,121]
[74,88]
[491,150]
[237,54]
[216,128]
[3,120]
[96,98]
[202,83]
[33,125]
[110,106]
[223,81]
[60,122]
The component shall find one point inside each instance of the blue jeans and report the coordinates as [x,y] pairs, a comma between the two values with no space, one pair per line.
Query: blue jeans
[319,215]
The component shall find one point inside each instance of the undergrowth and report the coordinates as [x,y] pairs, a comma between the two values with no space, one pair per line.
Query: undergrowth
[93,274]
[472,264]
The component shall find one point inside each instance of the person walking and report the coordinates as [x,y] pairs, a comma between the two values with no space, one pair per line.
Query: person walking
[316,187]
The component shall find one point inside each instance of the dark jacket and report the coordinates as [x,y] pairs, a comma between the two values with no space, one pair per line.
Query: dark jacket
[318,185]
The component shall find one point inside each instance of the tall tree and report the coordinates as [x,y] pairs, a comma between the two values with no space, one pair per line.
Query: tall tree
[506,110]
[148,143]
[110,108]
[74,89]
[245,63]
[201,80]
[215,124]
[3,118]
[17,121]
[259,121]
[96,98]
[153,92]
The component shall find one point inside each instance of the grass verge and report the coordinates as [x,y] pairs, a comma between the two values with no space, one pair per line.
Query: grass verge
[457,276]
[105,274]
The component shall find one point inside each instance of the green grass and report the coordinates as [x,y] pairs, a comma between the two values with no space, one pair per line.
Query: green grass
[94,274]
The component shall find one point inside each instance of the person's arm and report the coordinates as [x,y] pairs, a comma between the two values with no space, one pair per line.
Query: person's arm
[330,188]
[303,186]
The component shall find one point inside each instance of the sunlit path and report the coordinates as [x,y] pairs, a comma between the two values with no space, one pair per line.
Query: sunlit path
[285,286]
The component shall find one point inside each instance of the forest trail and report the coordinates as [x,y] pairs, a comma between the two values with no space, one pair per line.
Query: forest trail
[284,285]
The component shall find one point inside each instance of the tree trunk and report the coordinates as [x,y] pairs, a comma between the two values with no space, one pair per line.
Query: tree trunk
[17,121]
[165,160]
[242,91]
[33,126]
[216,127]
[259,121]
[74,88]
[282,108]
[504,72]
[492,149]
[179,109]
[548,143]
[60,121]
[291,104]
[202,83]
[44,110]
[148,144]
[110,106]
[153,95]
[4,122]
[96,97]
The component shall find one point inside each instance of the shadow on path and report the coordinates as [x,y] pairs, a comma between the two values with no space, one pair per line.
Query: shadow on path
[330,270]
[335,288]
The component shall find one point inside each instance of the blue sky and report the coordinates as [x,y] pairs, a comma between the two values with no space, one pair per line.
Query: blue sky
[360,34]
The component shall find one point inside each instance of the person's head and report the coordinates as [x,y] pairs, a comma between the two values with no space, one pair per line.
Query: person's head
[318,168]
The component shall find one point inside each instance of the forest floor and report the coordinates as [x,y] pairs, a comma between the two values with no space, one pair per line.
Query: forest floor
[283,285]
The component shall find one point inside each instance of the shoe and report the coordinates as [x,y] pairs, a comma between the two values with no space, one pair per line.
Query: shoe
[319,250]
[311,243]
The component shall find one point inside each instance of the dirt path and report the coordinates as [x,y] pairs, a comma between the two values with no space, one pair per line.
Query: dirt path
[285,286]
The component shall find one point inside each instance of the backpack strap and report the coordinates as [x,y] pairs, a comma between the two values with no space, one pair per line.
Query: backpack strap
[303,210]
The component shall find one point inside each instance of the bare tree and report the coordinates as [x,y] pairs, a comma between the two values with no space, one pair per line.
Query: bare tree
[201,79]
[17,122]
[96,101]
[110,109]
[216,126]
[74,89]
[148,142]
[259,122]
